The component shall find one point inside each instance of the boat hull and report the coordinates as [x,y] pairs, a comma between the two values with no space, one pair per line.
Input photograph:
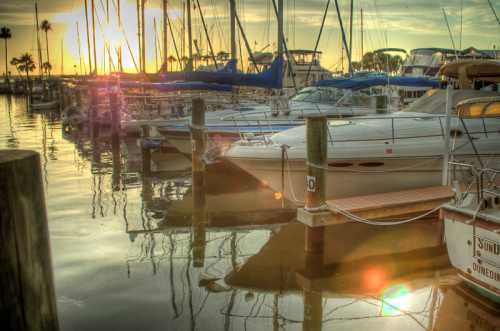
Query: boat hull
[474,249]
[345,178]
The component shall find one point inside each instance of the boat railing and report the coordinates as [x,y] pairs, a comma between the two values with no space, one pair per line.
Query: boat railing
[478,174]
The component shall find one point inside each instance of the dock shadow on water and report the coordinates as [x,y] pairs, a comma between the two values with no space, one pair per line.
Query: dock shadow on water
[206,247]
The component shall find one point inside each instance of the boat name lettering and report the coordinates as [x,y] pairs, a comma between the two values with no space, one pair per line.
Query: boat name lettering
[488,245]
[482,270]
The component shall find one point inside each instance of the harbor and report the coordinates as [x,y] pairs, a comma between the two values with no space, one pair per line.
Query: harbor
[197,168]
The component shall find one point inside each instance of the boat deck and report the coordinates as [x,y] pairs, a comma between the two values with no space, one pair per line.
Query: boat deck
[378,206]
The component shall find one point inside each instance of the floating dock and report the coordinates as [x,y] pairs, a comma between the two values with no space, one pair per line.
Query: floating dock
[377,206]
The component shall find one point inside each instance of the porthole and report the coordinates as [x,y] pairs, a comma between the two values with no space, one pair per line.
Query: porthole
[371,164]
[340,164]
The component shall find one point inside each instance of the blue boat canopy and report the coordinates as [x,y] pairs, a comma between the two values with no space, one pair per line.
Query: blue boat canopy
[358,83]
[271,78]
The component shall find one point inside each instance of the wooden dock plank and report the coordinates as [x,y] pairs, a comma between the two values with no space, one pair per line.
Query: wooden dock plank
[378,206]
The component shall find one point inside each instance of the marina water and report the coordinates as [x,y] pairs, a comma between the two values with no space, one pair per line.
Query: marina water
[126,255]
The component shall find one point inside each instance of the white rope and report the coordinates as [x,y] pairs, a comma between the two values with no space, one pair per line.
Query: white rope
[356,218]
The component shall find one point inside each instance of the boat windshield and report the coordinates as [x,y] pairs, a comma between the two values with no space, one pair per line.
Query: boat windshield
[334,96]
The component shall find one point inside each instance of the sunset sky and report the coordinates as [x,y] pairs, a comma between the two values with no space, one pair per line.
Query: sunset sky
[387,23]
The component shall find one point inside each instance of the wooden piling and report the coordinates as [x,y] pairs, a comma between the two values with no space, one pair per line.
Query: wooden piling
[199,220]
[115,112]
[317,148]
[146,152]
[94,123]
[27,301]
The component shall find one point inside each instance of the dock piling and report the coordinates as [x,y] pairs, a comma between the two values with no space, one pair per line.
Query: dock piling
[28,298]
[317,147]
[94,123]
[199,219]
[146,152]
[115,112]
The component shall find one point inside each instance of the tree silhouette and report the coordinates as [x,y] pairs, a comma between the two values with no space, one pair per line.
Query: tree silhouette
[5,35]
[46,27]
[25,64]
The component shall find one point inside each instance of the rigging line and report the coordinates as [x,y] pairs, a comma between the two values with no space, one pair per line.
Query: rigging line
[347,50]
[317,41]
[173,40]
[247,45]
[449,31]
[207,35]
[494,12]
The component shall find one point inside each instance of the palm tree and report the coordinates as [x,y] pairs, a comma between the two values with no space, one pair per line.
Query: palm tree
[46,27]
[171,59]
[25,64]
[5,34]
[47,67]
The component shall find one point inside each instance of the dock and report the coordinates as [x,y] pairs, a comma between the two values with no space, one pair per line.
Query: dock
[377,206]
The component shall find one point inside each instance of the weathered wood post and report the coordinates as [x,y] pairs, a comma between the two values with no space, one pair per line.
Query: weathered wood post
[93,115]
[115,111]
[146,151]
[198,176]
[317,147]
[27,300]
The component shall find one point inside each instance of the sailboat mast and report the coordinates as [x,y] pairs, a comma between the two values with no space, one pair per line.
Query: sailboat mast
[88,35]
[156,44]
[232,14]
[165,34]
[143,36]
[62,57]
[79,47]
[39,49]
[190,32]
[362,39]
[139,43]
[350,37]
[93,34]
[119,13]
[280,28]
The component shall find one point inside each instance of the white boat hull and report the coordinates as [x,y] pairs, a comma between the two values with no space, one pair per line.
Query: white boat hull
[474,249]
[393,175]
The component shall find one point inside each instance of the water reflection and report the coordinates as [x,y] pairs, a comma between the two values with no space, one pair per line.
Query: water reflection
[215,250]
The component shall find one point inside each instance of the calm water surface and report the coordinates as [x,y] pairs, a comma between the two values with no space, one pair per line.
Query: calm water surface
[129,253]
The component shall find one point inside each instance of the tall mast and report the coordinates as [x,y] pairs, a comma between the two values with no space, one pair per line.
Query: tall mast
[156,44]
[79,46]
[165,34]
[62,57]
[139,43]
[232,12]
[350,37]
[280,28]
[93,34]
[362,39]
[88,36]
[39,49]
[190,32]
[143,36]
[119,10]
[108,44]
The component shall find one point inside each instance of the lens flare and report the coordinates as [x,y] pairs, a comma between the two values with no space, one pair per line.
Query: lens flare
[395,299]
